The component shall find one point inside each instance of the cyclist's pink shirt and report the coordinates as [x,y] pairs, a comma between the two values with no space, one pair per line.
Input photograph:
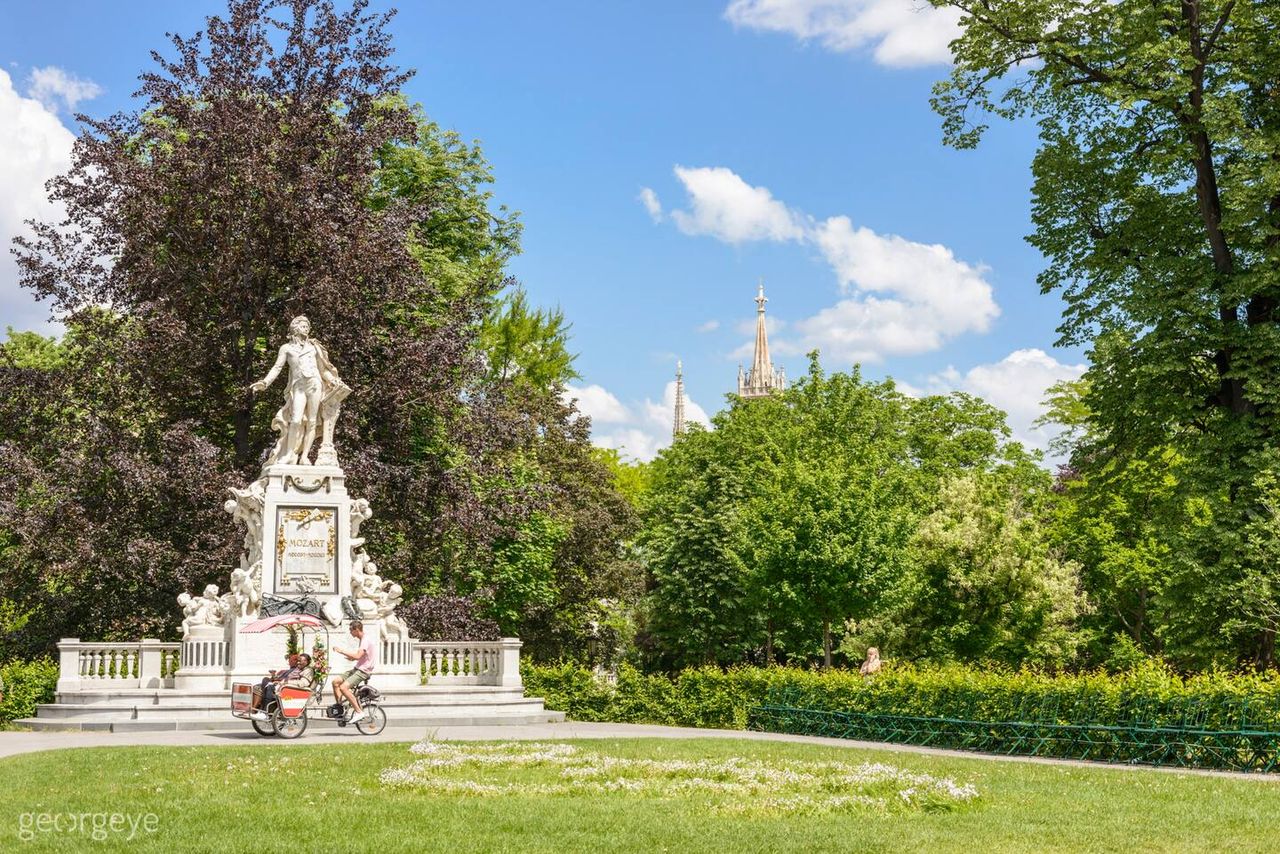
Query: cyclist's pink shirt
[368,654]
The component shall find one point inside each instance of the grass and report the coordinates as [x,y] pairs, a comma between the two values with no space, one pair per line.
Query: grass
[324,797]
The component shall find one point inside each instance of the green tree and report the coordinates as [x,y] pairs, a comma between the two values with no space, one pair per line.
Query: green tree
[796,514]
[983,583]
[702,608]
[527,345]
[1157,204]
[30,350]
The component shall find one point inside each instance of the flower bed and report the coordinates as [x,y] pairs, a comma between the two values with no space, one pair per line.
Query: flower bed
[733,785]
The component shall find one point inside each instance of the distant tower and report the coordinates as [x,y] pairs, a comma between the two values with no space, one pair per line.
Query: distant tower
[678,427]
[762,379]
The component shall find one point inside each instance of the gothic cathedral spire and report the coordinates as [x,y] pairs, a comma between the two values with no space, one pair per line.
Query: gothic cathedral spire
[762,379]
[678,426]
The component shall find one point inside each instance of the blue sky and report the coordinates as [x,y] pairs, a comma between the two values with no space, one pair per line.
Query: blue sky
[785,139]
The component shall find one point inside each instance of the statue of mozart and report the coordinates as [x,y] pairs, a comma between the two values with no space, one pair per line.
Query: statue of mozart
[313,396]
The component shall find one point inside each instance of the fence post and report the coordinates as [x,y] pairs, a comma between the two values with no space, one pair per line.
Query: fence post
[150,662]
[509,663]
[68,664]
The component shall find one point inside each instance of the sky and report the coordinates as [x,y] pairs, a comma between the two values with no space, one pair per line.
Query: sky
[665,157]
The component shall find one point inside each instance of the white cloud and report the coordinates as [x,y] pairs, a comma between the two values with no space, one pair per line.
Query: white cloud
[1017,384]
[34,147]
[598,404]
[51,84]
[928,297]
[900,297]
[709,326]
[728,208]
[638,431]
[900,33]
[649,199]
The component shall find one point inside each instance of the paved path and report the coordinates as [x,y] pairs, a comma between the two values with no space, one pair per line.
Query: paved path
[13,743]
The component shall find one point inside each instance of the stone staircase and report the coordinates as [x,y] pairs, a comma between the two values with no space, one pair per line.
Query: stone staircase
[167,709]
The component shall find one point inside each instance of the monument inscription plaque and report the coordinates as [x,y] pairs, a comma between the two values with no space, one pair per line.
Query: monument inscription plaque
[306,549]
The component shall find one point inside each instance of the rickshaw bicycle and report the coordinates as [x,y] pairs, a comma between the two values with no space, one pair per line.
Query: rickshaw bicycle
[289,712]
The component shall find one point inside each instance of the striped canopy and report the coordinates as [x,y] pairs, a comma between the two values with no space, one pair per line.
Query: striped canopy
[269,623]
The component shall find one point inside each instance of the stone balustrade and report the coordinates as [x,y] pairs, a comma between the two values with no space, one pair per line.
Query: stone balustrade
[150,663]
[471,662]
[84,665]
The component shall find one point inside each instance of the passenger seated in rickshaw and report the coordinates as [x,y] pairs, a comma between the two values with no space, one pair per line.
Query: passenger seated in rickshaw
[303,675]
[290,671]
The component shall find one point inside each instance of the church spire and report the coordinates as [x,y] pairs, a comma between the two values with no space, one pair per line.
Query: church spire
[677,427]
[762,378]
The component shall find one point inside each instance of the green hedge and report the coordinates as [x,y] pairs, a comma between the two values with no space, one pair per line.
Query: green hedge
[26,683]
[710,697]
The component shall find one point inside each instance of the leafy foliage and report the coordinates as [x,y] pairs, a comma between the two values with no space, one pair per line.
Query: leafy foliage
[273,169]
[803,510]
[711,697]
[446,618]
[1157,204]
[26,685]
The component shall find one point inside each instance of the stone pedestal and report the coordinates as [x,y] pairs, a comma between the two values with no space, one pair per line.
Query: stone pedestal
[204,656]
[306,549]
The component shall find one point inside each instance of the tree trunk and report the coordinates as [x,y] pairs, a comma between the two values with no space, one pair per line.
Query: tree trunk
[826,643]
[1266,655]
[768,643]
[1209,201]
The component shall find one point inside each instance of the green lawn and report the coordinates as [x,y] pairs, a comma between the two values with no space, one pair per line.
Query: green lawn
[681,797]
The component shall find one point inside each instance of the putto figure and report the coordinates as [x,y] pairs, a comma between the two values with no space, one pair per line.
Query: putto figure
[314,392]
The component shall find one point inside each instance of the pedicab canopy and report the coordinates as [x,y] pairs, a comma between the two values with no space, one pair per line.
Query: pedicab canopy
[282,620]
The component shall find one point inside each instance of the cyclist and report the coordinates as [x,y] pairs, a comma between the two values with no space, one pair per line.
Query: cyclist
[365,658]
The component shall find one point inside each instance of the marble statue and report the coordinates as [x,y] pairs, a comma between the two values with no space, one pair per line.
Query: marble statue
[392,626]
[245,596]
[313,397]
[207,609]
[313,392]
[360,513]
[245,506]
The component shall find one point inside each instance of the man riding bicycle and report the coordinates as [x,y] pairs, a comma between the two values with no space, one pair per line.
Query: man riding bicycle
[365,658]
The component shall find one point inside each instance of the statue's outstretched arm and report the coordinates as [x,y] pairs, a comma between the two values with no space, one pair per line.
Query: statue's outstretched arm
[273,373]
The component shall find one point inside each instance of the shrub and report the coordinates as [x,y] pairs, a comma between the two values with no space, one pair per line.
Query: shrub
[710,697]
[26,684]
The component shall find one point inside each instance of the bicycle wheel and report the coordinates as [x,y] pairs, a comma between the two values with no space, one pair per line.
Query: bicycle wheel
[289,727]
[374,723]
[263,727]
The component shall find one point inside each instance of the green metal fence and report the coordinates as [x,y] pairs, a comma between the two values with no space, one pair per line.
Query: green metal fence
[1145,732]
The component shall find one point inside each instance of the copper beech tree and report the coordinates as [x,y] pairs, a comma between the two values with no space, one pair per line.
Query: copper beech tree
[271,168]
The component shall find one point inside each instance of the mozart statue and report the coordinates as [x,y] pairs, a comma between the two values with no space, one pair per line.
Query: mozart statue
[314,394]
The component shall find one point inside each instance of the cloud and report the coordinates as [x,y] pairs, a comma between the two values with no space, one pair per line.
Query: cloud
[649,199]
[727,208]
[598,404]
[638,431]
[709,326]
[51,84]
[34,147]
[1017,384]
[926,295]
[899,297]
[900,33]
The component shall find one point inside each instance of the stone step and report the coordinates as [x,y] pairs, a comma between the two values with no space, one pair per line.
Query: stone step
[419,720]
[429,706]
